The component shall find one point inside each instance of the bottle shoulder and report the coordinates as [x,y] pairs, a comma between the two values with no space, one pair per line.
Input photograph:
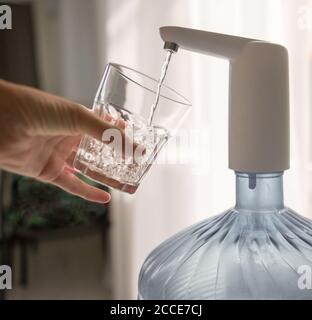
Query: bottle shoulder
[233,255]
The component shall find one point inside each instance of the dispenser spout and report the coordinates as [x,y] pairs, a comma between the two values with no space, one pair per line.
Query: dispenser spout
[171,46]
[211,43]
[258,95]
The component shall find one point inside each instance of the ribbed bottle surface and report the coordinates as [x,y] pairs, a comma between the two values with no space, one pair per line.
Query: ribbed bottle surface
[257,250]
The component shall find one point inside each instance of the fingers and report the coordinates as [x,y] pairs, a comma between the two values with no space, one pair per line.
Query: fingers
[43,114]
[69,169]
[72,184]
[89,123]
[68,144]
[121,124]
[105,129]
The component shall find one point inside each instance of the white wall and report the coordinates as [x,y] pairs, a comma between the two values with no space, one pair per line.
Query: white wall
[68,53]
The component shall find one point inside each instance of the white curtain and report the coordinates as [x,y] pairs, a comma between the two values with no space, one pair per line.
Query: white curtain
[174,196]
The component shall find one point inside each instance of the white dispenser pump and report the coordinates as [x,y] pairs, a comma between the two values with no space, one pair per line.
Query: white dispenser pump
[258,95]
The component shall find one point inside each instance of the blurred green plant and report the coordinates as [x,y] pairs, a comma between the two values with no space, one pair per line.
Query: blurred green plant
[36,205]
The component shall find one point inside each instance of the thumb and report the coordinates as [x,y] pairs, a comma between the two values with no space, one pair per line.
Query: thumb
[72,119]
[79,120]
[63,117]
[42,113]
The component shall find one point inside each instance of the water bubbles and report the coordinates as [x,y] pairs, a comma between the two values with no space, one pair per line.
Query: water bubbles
[88,156]
[103,159]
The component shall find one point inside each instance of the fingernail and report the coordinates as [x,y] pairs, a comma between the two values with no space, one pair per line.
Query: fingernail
[108,199]
[108,117]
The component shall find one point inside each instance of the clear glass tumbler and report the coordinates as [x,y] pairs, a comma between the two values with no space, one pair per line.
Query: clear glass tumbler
[128,95]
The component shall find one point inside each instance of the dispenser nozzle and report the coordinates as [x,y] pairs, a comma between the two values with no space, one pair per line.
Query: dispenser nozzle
[258,95]
[171,46]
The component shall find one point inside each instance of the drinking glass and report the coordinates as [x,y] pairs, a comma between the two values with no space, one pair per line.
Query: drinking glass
[128,95]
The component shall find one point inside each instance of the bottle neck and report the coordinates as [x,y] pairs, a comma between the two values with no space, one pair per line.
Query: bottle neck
[259,192]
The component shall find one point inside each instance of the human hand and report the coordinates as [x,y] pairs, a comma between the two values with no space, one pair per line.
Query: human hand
[39,136]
